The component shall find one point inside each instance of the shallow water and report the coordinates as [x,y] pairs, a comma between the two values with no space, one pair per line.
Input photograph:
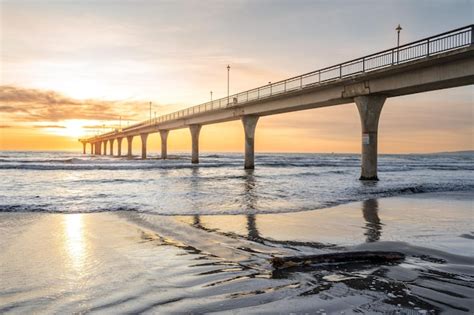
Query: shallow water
[129,262]
[69,182]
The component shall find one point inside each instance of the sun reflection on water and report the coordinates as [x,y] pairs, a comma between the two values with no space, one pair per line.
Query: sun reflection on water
[74,240]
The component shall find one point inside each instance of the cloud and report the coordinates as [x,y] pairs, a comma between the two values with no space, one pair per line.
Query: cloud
[50,126]
[32,105]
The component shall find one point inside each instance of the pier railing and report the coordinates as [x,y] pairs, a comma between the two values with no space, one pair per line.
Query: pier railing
[420,49]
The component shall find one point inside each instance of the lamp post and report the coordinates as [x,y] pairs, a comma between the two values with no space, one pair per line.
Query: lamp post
[228,76]
[150,111]
[398,29]
[211,96]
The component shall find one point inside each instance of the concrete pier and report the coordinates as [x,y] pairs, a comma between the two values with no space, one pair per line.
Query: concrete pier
[129,145]
[84,148]
[144,136]
[359,80]
[111,146]
[164,144]
[249,122]
[369,108]
[119,146]
[195,129]
[92,148]
[105,147]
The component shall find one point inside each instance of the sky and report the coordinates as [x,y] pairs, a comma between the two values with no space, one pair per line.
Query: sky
[71,69]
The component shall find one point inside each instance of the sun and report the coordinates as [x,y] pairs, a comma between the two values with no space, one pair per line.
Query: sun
[74,128]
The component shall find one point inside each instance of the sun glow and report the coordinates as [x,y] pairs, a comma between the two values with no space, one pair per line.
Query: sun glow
[73,128]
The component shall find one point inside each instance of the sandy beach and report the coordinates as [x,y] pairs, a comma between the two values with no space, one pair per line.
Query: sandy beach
[128,262]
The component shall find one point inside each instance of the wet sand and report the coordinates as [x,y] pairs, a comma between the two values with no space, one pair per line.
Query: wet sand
[127,262]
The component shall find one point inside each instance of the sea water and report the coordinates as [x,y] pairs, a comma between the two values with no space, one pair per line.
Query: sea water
[69,182]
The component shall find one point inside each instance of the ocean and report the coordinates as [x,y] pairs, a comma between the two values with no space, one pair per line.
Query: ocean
[65,182]
[106,235]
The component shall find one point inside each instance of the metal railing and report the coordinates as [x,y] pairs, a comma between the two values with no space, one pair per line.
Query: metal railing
[424,48]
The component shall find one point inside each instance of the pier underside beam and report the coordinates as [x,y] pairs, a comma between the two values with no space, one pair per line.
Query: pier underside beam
[164,144]
[369,108]
[195,129]
[250,123]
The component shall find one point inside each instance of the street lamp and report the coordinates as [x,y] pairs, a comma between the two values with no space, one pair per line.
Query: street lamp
[398,29]
[228,74]
[211,96]
[150,111]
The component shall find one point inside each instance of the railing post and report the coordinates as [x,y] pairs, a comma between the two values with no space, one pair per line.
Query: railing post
[363,64]
[472,35]
[428,48]
[340,71]
[247,96]
[319,75]
[301,82]
[285,85]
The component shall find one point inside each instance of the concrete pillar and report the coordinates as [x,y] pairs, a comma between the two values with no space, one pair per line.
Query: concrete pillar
[84,148]
[369,108]
[98,147]
[111,146]
[119,146]
[164,144]
[92,147]
[144,136]
[105,148]
[129,143]
[249,122]
[195,129]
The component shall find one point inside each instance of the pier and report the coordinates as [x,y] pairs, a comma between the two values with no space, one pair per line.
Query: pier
[438,62]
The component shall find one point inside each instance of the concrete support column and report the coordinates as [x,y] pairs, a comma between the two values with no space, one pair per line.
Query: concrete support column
[111,146]
[249,122]
[119,146]
[369,108]
[105,148]
[164,144]
[84,148]
[92,147]
[129,143]
[98,147]
[195,129]
[144,136]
